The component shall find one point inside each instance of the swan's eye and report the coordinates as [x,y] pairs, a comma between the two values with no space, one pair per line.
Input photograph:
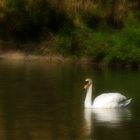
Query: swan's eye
[86,82]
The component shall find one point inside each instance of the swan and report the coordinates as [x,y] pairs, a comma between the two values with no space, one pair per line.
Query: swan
[105,100]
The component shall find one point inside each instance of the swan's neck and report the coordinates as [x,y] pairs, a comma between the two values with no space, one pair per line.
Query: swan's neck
[88,99]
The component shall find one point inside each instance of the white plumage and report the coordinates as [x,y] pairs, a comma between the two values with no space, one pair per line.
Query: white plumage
[105,100]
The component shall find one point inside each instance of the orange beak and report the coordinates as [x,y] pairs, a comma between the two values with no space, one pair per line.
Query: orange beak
[85,86]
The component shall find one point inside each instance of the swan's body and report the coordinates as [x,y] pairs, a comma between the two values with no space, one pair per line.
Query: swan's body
[105,100]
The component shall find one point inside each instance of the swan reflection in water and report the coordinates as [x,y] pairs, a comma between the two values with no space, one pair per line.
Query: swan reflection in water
[106,117]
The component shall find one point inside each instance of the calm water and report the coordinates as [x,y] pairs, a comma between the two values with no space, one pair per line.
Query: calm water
[40,101]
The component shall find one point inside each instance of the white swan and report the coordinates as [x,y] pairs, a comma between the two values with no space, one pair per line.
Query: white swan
[105,100]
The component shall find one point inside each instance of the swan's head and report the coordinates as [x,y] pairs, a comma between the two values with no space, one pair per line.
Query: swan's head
[87,83]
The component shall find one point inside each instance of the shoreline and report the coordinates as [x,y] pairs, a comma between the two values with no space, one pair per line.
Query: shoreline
[58,58]
[21,56]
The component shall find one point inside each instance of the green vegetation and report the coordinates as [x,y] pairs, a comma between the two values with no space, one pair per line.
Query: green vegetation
[106,31]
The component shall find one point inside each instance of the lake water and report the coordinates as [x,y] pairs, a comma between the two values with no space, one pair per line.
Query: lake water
[40,101]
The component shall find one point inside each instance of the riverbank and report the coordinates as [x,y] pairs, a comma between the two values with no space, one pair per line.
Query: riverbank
[40,51]
[51,58]
[101,33]
[49,51]
[16,56]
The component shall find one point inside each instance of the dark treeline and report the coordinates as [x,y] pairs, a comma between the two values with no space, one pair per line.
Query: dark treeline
[108,31]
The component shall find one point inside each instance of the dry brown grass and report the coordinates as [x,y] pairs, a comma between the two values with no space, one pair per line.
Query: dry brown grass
[71,6]
[21,57]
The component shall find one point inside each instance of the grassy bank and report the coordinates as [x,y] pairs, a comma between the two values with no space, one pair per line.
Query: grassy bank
[108,47]
[106,33]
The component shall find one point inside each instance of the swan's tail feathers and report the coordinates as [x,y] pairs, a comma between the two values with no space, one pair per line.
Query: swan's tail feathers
[127,102]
